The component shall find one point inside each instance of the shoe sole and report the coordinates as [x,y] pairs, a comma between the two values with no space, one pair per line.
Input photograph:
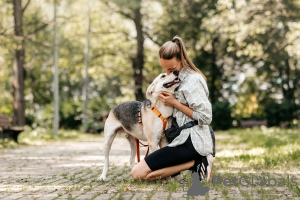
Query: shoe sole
[209,169]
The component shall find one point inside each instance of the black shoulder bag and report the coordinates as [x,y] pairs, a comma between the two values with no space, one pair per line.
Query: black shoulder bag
[172,132]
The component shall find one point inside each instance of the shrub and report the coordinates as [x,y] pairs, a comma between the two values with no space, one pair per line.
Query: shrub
[221,115]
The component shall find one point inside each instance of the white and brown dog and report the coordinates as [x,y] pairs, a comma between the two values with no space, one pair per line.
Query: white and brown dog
[124,119]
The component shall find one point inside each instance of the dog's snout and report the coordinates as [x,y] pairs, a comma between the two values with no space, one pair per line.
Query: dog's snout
[176,73]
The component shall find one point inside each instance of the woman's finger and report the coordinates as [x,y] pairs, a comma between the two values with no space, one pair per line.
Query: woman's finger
[165,94]
[161,96]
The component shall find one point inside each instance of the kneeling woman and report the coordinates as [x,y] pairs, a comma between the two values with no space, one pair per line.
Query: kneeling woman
[193,149]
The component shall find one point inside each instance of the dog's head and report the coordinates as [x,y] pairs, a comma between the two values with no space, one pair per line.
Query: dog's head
[163,82]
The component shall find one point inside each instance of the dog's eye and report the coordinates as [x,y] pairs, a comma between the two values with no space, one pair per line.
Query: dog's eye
[163,76]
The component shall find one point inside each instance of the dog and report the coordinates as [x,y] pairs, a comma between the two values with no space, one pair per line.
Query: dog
[124,119]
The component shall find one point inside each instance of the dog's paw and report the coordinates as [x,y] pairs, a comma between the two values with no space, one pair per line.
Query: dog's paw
[101,178]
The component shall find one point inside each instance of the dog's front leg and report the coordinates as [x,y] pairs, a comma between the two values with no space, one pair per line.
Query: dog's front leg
[132,143]
[153,141]
[153,146]
[163,142]
[152,131]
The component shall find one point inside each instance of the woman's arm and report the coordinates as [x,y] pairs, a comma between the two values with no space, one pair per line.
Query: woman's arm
[199,108]
[197,99]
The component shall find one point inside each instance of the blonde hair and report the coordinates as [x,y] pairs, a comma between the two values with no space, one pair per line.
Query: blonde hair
[176,48]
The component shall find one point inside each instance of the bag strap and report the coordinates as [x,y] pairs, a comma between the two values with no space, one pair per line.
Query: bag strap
[189,124]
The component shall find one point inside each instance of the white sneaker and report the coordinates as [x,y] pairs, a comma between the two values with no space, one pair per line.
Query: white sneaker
[204,167]
[210,160]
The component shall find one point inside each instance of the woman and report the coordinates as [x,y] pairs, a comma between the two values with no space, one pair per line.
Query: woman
[194,147]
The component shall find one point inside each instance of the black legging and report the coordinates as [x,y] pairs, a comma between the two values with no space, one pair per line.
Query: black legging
[170,156]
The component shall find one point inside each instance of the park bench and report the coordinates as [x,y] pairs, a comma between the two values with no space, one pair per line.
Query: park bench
[7,130]
[252,123]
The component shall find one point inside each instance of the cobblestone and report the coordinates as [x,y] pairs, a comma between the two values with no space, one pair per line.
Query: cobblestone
[69,170]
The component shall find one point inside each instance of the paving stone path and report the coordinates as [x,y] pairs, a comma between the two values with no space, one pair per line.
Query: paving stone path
[69,170]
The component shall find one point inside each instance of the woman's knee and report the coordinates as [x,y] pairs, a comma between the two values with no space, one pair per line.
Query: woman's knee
[135,173]
[140,170]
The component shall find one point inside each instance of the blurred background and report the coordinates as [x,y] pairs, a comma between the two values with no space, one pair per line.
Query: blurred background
[106,52]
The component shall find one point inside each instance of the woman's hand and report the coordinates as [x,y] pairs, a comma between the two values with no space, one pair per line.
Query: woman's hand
[168,99]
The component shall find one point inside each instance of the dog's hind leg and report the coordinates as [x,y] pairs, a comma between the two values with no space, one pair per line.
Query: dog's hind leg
[132,143]
[110,131]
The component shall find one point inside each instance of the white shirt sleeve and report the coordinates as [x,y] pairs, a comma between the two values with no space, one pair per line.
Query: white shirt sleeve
[198,100]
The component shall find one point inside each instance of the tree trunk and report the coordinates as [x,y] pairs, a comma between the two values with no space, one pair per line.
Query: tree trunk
[86,65]
[213,71]
[138,62]
[55,76]
[18,66]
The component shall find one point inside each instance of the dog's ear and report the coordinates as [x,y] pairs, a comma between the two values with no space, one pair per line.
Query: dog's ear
[150,94]
[150,91]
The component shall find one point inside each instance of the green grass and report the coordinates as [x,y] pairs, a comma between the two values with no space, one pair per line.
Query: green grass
[172,185]
[267,148]
[41,135]
[258,152]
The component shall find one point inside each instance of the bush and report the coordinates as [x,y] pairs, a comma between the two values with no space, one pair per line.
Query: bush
[277,113]
[221,115]
[70,114]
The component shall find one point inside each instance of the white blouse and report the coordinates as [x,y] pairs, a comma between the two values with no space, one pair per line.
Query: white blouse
[193,92]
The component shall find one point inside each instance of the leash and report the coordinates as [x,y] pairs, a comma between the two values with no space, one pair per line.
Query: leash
[165,120]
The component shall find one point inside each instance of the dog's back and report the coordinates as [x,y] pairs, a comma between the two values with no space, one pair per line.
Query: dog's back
[127,113]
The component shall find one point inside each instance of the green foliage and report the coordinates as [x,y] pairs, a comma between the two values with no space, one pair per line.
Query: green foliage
[69,113]
[280,112]
[44,117]
[40,133]
[222,119]
[250,57]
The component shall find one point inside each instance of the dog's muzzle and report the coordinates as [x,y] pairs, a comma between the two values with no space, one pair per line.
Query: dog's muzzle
[170,84]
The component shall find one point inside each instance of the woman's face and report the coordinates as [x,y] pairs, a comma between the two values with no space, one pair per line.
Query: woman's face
[170,65]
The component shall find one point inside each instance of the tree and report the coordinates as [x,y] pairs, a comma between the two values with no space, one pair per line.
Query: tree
[265,42]
[132,11]
[19,61]
[86,64]
[55,75]
[18,65]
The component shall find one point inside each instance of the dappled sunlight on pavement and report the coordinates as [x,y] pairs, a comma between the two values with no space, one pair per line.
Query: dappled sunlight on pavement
[68,170]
